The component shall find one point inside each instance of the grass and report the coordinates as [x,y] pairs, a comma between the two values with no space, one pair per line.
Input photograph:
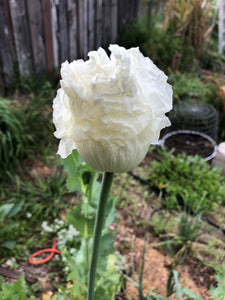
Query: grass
[14,136]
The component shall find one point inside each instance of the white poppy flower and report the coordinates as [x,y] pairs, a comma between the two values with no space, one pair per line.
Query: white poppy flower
[111,108]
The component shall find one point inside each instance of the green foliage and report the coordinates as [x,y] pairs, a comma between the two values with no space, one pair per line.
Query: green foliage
[28,204]
[16,291]
[189,86]
[7,211]
[181,291]
[13,135]
[161,223]
[32,83]
[82,217]
[80,176]
[209,57]
[217,292]
[167,51]
[136,35]
[189,229]
[21,127]
[189,19]
[188,179]
[179,239]
[38,115]
[43,196]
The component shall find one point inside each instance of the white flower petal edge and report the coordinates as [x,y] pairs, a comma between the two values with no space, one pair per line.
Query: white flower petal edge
[111,109]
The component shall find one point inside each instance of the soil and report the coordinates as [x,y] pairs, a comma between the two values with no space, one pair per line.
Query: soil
[157,263]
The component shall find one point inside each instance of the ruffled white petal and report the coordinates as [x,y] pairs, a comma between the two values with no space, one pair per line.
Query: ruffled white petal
[111,109]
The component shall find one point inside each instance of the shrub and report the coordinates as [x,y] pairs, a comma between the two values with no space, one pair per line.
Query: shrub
[189,180]
[167,51]
[189,86]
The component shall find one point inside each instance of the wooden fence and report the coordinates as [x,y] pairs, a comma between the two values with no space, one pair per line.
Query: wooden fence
[39,35]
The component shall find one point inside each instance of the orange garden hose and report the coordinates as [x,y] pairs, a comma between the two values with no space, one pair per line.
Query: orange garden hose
[52,251]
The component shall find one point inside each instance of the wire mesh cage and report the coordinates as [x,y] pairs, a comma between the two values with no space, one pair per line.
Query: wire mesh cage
[195,115]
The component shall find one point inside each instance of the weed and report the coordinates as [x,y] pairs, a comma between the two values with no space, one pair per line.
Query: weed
[161,223]
[189,229]
[181,180]
[17,290]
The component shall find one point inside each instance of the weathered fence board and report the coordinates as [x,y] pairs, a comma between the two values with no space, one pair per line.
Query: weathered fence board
[37,34]
[21,35]
[6,51]
[85,36]
[98,23]
[41,34]
[47,20]
[91,24]
[106,21]
[9,26]
[54,32]
[81,28]
[72,19]
[63,31]
[114,27]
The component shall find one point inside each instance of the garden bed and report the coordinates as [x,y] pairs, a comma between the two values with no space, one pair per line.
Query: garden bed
[135,228]
[137,208]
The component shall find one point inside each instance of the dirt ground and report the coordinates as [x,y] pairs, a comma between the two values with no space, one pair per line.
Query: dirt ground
[195,273]
[157,266]
[133,230]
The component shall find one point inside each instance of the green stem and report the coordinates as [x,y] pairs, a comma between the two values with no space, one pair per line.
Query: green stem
[106,185]
[86,250]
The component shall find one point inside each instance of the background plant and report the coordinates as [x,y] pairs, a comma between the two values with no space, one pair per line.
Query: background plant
[187,86]
[167,51]
[26,206]
[21,127]
[189,19]
[179,241]
[18,290]
[187,180]
[14,136]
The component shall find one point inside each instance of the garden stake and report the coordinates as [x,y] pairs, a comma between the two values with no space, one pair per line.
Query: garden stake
[106,185]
